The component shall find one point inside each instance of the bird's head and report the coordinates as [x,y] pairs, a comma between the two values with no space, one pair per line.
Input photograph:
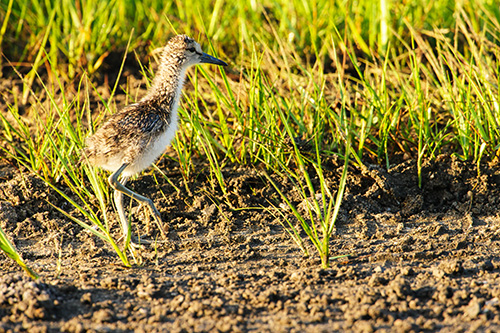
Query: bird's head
[187,52]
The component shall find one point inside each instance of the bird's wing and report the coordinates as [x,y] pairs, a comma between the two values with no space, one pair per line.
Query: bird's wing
[141,121]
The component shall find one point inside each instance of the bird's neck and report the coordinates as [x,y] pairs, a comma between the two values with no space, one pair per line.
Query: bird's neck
[165,91]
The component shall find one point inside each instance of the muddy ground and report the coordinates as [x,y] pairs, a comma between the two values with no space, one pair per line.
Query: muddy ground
[419,259]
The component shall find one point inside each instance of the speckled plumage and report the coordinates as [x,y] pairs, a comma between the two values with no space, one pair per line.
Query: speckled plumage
[129,135]
[132,139]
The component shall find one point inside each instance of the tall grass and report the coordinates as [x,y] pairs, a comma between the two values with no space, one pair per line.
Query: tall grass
[415,80]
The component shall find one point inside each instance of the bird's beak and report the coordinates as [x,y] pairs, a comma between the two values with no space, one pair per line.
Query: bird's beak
[208,59]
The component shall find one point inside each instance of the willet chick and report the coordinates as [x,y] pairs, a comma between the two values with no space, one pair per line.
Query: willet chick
[132,139]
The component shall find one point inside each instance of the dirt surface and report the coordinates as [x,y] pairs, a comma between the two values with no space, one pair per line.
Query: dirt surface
[420,259]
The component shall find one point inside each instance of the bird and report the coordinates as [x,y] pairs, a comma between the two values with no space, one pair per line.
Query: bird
[136,136]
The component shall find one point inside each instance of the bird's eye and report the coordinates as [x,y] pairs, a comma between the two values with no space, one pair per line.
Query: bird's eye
[192,49]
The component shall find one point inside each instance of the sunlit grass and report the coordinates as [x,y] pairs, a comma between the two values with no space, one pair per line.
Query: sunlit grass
[405,80]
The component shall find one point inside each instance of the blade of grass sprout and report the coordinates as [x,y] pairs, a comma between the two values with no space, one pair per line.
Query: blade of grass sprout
[184,149]
[164,176]
[480,155]
[121,66]
[59,257]
[4,25]
[384,13]
[339,257]
[145,72]
[30,77]
[9,249]
[342,186]
[421,119]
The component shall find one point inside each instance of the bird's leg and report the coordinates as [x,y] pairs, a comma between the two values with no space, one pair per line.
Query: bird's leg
[125,222]
[119,189]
